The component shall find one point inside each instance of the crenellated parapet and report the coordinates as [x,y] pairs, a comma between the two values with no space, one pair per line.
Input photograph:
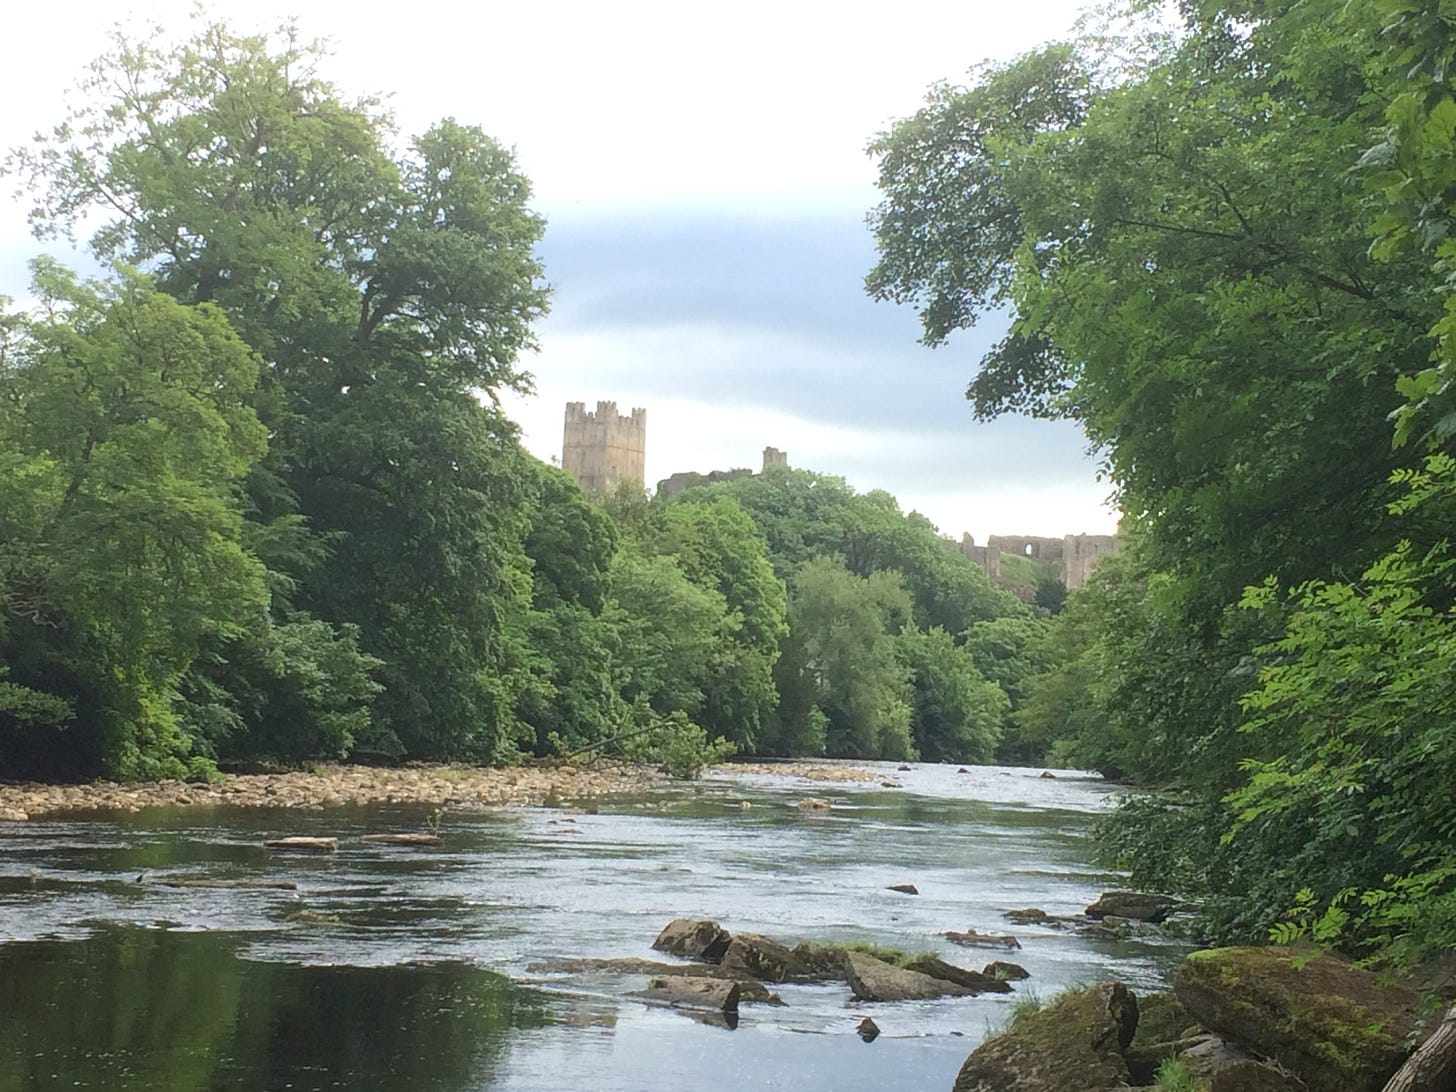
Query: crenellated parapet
[602,448]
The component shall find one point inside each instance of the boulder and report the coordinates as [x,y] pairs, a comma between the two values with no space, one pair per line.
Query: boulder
[714,994]
[1225,1067]
[761,958]
[1329,1023]
[1007,972]
[1139,905]
[972,939]
[814,803]
[949,972]
[904,888]
[873,979]
[1075,1044]
[868,1030]
[403,839]
[693,938]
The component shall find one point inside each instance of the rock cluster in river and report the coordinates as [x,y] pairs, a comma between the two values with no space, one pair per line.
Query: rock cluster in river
[751,961]
[1115,915]
[1239,1019]
[336,786]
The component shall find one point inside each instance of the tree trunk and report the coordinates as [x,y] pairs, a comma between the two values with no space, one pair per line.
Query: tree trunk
[1432,1068]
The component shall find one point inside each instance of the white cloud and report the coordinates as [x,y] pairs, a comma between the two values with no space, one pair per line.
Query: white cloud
[615,108]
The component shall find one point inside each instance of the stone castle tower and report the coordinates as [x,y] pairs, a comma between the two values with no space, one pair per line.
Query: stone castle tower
[601,449]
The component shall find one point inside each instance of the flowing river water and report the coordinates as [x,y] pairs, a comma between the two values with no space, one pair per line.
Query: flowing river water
[406,968]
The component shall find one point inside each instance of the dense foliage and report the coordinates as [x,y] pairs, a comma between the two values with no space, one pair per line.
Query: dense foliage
[1225,247]
[259,501]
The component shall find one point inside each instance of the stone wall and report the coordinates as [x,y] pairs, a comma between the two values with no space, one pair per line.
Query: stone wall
[773,458]
[669,487]
[601,449]
[1076,556]
[1080,556]
[1038,549]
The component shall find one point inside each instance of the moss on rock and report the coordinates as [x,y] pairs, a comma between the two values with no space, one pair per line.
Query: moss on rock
[1336,1027]
[1075,1044]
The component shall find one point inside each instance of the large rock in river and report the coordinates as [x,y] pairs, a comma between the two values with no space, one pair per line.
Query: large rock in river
[975,981]
[1137,905]
[1336,1027]
[873,979]
[693,993]
[759,957]
[1075,1044]
[693,938]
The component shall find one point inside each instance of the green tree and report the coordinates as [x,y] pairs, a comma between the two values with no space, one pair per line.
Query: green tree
[843,627]
[718,547]
[125,432]
[956,714]
[804,515]
[1175,227]
[570,648]
[387,291]
[1355,704]
[1181,243]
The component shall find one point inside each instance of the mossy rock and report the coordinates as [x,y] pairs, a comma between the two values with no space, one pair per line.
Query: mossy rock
[1336,1027]
[1075,1044]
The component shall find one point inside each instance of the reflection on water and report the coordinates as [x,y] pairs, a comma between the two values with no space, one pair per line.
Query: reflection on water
[158,1009]
[390,967]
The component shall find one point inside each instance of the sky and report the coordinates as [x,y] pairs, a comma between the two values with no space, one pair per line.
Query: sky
[703,174]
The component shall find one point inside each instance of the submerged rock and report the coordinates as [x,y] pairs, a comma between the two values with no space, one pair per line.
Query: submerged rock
[873,979]
[972,939]
[749,989]
[300,844]
[403,839]
[1138,905]
[904,888]
[813,803]
[1075,1044]
[868,1030]
[1333,1025]
[693,938]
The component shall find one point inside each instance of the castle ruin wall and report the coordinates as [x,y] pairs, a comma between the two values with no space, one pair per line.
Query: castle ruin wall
[601,449]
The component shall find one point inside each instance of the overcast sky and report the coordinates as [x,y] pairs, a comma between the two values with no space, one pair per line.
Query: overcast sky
[703,174]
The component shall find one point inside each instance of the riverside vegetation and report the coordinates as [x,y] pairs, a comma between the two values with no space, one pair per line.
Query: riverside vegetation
[1224,240]
[259,501]
[260,504]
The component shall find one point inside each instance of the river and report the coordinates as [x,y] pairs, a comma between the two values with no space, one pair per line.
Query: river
[414,969]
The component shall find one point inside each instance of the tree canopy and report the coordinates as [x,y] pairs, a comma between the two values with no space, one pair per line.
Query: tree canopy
[1224,250]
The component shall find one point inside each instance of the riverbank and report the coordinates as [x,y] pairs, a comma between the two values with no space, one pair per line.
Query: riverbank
[337,785]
